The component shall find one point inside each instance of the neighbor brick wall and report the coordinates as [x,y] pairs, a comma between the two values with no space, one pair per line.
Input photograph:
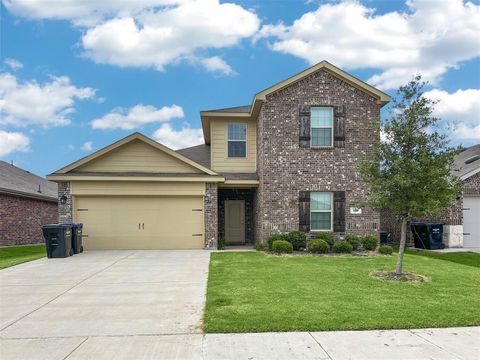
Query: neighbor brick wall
[65,211]
[21,219]
[471,186]
[452,215]
[211,215]
[285,169]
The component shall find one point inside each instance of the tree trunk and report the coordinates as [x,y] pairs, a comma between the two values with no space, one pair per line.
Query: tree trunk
[401,248]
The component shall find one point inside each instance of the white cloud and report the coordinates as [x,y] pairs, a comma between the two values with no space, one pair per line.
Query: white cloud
[30,103]
[160,37]
[177,139]
[137,116]
[12,142]
[432,37]
[87,146]
[461,109]
[14,64]
[149,33]
[71,147]
[217,64]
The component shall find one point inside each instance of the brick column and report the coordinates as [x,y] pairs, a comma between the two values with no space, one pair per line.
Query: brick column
[211,215]
[65,211]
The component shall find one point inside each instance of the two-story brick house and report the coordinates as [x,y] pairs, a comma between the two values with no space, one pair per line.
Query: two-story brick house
[286,162]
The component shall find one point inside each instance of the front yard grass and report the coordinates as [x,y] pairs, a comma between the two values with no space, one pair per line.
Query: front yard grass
[257,292]
[13,255]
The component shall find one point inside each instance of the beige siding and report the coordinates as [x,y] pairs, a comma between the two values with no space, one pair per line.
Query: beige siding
[219,159]
[136,188]
[137,156]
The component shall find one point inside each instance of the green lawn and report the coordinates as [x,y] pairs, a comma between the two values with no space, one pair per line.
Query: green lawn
[255,292]
[466,258]
[14,255]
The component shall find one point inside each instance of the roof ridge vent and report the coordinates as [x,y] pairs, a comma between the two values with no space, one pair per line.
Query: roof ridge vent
[472,159]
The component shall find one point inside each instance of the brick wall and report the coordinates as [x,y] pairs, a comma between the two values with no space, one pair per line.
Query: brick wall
[285,169]
[211,215]
[65,211]
[21,219]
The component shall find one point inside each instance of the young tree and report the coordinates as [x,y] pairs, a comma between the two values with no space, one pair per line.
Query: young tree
[410,171]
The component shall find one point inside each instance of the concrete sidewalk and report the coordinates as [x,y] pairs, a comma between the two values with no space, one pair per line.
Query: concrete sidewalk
[448,343]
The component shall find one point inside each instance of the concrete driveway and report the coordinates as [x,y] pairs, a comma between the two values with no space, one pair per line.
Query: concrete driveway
[102,293]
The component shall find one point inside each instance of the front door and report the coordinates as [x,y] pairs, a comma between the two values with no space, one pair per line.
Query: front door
[234,222]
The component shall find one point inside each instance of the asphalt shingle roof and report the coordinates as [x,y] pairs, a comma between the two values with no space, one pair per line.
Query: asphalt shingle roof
[23,183]
[468,161]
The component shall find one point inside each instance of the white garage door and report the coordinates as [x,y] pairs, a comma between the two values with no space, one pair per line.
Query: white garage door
[471,221]
[141,222]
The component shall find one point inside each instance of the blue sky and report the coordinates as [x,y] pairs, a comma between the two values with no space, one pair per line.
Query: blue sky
[76,76]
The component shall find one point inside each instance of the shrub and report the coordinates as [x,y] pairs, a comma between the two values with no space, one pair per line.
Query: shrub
[326,236]
[369,242]
[342,247]
[298,239]
[274,237]
[221,243]
[318,246]
[353,240]
[282,247]
[260,247]
[385,249]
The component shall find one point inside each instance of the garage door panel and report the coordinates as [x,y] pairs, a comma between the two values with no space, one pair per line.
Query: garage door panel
[471,221]
[135,222]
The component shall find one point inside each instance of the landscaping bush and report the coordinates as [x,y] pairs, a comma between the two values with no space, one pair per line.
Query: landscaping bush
[326,236]
[385,250]
[370,242]
[353,240]
[274,237]
[260,247]
[221,243]
[282,247]
[342,247]
[318,246]
[298,239]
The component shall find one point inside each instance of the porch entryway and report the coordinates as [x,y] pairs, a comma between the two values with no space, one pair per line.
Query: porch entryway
[235,215]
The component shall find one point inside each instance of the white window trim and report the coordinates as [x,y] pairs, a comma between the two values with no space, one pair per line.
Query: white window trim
[321,127]
[246,140]
[327,211]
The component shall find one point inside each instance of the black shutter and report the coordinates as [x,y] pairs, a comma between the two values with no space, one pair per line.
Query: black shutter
[339,211]
[304,211]
[304,120]
[339,126]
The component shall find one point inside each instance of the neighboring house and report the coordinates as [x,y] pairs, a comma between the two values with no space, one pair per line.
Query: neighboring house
[27,202]
[286,162]
[461,220]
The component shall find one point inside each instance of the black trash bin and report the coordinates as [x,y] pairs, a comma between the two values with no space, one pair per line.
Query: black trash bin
[427,235]
[384,237]
[77,238]
[58,240]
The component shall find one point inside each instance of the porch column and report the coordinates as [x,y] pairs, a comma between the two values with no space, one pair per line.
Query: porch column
[211,215]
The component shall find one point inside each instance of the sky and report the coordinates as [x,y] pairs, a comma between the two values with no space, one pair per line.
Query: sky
[76,76]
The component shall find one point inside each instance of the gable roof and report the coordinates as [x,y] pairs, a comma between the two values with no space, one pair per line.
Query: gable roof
[251,111]
[16,181]
[467,162]
[126,140]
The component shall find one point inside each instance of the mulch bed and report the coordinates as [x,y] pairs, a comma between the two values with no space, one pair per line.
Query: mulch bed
[403,277]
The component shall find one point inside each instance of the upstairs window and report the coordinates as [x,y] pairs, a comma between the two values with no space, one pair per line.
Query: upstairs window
[321,128]
[321,211]
[237,140]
